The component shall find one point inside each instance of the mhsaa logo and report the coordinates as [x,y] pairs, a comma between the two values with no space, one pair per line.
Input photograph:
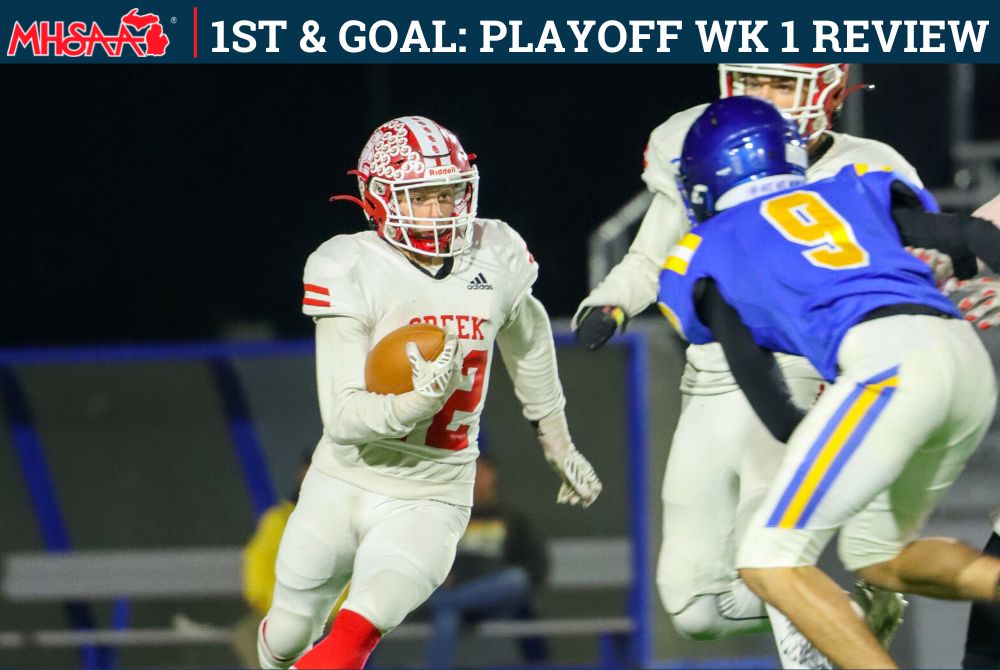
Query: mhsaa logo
[48,38]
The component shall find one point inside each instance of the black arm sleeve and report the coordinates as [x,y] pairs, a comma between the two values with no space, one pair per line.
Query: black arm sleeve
[961,236]
[754,367]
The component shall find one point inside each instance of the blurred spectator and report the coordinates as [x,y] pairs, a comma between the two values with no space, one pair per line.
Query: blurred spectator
[500,563]
[259,557]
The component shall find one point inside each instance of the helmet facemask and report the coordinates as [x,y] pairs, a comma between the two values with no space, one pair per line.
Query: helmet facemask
[436,236]
[818,89]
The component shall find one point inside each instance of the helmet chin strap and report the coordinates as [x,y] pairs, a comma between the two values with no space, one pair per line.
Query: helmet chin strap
[369,210]
[347,197]
[368,207]
[867,87]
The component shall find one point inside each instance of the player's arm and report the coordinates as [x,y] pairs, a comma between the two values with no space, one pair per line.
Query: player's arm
[631,286]
[352,415]
[979,298]
[753,366]
[529,353]
[961,236]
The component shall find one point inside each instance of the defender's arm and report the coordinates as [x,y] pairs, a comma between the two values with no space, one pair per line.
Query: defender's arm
[753,366]
[961,236]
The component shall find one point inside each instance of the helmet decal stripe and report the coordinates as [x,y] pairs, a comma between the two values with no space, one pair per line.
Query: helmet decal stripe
[429,137]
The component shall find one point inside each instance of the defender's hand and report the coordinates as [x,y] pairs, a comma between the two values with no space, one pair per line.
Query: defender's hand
[939,263]
[979,301]
[579,481]
[437,378]
[599,324]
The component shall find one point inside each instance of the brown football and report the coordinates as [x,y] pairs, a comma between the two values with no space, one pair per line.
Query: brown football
[388,370]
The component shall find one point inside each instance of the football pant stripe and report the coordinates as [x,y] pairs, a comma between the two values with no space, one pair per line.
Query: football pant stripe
[838,440]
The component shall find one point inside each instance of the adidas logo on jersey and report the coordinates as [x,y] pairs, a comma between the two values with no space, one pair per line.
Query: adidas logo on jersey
[479,283]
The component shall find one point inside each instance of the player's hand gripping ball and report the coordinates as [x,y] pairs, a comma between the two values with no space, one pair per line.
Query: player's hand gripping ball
[410,358]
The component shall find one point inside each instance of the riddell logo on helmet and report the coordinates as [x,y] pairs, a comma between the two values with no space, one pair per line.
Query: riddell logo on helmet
[59,38]
[441,171]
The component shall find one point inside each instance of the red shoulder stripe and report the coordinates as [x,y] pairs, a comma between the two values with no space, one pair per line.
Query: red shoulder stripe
[315,303]
[313,288]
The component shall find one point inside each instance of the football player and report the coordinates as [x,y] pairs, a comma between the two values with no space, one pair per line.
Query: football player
[718,471]
[389,491]
[818,270]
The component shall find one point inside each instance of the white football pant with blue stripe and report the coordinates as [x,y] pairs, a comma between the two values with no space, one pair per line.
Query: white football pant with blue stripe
[880,448]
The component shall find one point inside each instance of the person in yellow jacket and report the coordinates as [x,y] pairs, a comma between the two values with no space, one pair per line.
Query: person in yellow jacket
[259,557]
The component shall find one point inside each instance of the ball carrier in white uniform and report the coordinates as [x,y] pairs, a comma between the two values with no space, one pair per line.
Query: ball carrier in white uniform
[389,491]
[722,458]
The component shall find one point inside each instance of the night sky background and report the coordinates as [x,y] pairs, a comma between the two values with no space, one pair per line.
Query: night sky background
[172,203]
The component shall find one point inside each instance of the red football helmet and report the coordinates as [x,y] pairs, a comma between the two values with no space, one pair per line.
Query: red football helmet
[824,85]
[409,153]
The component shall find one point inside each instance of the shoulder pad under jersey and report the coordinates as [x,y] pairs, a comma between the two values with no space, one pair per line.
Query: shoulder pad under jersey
[872,155]
[331,280]
[661,160]
[512,252]
[880,184]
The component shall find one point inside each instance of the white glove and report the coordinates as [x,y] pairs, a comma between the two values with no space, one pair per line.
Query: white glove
[579,481]
[433,379]
[940,263]
[433,382]
[979,301]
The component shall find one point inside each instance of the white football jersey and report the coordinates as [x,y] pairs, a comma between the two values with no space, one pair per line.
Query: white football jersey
[633,283]
[364,277]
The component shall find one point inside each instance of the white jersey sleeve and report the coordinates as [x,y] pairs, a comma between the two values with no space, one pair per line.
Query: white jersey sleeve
[529,353]
[331,281]
[633,283]
[351,414]
[519,263]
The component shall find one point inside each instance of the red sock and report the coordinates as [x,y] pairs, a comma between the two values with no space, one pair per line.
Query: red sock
[347,647]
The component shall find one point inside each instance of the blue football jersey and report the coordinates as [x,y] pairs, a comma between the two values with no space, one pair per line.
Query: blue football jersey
[803,266]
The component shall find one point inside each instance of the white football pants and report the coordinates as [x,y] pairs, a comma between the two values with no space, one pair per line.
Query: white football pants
[393,552]
[722,461]
[873,458]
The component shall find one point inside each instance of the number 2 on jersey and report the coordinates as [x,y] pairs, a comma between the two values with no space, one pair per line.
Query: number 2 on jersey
[438,434]
[805,218]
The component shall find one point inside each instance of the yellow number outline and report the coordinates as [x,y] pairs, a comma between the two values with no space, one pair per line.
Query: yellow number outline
[806,218]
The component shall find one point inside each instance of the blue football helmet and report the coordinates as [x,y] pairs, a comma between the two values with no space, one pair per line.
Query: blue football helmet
[740,148]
